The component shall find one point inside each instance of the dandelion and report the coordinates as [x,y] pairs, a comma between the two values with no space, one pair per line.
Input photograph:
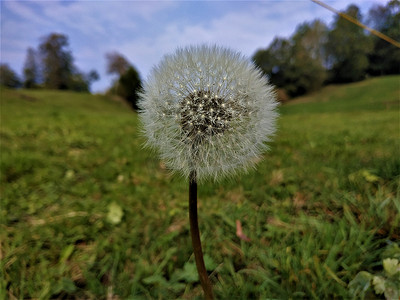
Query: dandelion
[209,112]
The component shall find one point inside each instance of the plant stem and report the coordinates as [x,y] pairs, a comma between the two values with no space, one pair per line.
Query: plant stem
[194,232]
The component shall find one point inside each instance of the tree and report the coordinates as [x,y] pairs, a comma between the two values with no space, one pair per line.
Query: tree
[311,37]
[309,57]
[348,48]
[129,84]
[8,77]
[296,64]
[117,63]
[275,61]
[81,82]
[57,61]
[93,76]
[385,57]
[59,71]
[31,71]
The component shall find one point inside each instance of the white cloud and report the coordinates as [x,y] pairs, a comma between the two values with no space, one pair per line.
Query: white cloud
[243,30]
[25,12]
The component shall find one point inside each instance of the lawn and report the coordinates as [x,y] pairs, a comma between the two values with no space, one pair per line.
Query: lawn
[87,213]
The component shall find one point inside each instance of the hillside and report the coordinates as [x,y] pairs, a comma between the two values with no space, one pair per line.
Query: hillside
[87,213]
[380,93]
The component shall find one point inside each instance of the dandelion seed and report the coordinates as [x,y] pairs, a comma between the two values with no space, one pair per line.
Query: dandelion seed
[243,121]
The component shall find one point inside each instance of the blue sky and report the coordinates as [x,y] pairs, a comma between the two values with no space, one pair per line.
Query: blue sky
[143,31]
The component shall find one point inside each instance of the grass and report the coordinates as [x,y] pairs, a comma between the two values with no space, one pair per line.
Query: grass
[86,213]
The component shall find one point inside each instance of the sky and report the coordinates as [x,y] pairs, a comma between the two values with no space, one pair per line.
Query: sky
[144,31]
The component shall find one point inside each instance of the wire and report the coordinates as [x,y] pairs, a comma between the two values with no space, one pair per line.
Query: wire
[358,23]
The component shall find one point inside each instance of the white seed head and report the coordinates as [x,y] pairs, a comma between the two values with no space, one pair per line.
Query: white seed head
[220,129]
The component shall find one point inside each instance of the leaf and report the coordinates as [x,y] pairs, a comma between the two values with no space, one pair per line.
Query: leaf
[360,283]
[115,213]
[363,174]
[155,279]
[69,174]
[379,284]
[120,178]
[392,290]
[66,253]
[368,176]
[209,263]
[64,285]
[392,251]
[188,274]
[391,266]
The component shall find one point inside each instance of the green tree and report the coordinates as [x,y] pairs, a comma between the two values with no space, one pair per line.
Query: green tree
[312,37]
[385,57]
[81,82]
[348,48]
[309,57]
[296,64]
[128,83]
[128,86]
[59,71]
[275,61]
[78,83]
[57,61]
[8,77]
[31,69]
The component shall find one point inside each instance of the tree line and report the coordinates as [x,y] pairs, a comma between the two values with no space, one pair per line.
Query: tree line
[316,54]
[51,66]
[313,56]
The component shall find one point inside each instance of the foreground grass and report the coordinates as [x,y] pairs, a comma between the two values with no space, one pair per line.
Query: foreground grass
[86,213]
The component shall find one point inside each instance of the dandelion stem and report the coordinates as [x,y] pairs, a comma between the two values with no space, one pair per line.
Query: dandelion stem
[194,231]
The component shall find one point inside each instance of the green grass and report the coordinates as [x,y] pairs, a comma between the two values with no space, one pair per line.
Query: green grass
[86,213]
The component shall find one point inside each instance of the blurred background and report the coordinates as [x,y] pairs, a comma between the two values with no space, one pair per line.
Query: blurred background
[299,44]
[87,213]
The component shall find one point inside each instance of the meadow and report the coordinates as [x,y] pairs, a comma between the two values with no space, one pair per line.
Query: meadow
[87,213]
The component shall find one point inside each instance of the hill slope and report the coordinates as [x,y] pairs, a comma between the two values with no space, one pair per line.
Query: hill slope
[87,213]
[379,93]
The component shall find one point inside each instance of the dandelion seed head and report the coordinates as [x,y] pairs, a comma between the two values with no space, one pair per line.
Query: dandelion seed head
[220,112]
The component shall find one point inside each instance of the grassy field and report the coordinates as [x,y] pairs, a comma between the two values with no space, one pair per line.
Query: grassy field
[86,213]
